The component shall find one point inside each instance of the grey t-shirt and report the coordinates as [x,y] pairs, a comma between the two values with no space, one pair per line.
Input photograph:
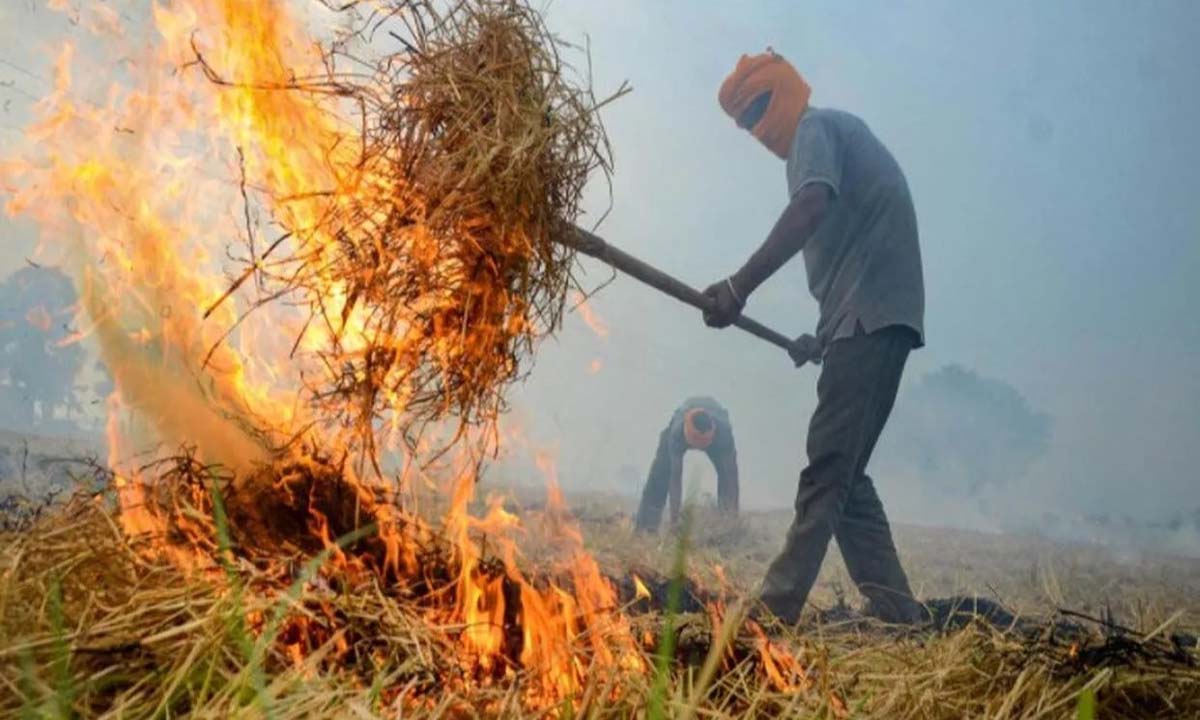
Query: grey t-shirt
[864,262]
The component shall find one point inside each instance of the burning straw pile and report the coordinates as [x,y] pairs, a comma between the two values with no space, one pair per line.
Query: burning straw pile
[435,265]
[93,629]
[94,626]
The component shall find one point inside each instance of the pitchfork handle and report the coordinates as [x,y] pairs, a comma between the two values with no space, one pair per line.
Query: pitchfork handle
[593,246]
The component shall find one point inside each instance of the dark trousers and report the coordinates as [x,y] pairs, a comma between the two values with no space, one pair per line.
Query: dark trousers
[855,393]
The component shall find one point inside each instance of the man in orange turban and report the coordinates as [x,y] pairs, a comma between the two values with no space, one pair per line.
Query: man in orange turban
[699,424]
[850,213]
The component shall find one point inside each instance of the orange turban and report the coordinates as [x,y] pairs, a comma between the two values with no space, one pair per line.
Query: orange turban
[697,439]
[768,72]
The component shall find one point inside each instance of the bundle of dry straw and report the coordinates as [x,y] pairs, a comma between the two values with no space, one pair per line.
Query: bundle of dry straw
[476,141]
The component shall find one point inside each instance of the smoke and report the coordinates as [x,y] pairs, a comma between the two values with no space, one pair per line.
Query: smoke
[969,451]
[962,435]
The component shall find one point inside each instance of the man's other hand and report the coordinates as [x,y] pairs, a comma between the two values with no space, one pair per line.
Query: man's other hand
[805,349]
[727,304]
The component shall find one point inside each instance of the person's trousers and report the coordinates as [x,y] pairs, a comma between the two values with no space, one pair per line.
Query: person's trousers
[855,393]
[654,494]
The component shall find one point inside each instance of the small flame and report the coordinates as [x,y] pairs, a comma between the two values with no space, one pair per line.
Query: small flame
[589,315]
[782,669]
[640,589]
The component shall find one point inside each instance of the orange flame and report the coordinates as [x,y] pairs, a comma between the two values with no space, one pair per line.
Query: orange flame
[552,619]
[589,315]
[640,590]
[783,670]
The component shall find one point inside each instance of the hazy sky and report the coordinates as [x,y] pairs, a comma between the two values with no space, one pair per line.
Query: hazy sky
[1052,153]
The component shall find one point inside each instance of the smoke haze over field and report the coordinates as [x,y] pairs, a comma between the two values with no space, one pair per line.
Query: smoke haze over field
[1054,169]
[1054,163]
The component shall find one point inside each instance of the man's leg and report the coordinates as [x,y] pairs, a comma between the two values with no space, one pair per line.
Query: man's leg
[654,495]
[857,387]
[865,538]
[727,483]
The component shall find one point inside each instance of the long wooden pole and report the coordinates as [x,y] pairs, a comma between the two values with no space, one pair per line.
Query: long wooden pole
[594,246]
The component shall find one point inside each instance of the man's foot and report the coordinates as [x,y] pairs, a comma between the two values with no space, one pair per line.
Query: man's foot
[768,614]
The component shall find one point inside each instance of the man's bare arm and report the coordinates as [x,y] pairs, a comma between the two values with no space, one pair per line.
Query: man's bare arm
[800,219]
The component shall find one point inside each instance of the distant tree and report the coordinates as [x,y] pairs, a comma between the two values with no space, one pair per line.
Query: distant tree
[37,371]
[960,432]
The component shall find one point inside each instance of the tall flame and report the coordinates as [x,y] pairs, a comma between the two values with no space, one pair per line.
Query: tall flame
[133,195]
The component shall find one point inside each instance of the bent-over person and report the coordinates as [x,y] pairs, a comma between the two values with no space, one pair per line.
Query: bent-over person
[700,423]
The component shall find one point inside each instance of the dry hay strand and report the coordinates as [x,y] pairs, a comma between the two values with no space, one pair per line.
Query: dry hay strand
[474,146]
